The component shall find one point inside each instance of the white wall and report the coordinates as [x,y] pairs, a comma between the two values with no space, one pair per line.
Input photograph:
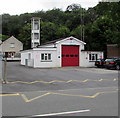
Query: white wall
[85,58]
[24,56]
[38,63]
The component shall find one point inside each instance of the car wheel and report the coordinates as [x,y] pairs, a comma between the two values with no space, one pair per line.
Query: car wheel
[117,67]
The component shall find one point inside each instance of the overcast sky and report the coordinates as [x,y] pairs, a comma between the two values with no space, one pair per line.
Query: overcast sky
[14,7]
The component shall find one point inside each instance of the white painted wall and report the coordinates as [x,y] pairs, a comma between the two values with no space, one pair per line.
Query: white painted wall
[38,63]
[24,56]
[85,58]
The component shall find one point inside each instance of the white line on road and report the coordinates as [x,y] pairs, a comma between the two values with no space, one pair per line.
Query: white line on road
[62,113]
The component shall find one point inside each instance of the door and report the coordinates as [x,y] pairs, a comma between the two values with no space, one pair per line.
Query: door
[70,55]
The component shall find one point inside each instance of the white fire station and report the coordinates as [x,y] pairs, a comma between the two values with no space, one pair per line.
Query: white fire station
[57,53]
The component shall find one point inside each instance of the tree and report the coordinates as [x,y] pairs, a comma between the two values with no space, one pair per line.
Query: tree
[48,31]
[73,7]
[3,37]
[62,32]
[25,35]
[77,32]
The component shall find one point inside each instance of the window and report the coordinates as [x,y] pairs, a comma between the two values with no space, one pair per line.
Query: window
[93,57]
[12,45]
[36,26]
[36,36]
[45,57]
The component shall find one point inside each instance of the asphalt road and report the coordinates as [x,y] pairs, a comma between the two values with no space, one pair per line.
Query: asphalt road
[60,91]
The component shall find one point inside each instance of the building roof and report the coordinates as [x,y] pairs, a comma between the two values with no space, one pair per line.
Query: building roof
[59,40]
[11,38]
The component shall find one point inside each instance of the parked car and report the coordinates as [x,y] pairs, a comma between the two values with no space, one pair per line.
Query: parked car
[118,65]
[99,63]
[112,63]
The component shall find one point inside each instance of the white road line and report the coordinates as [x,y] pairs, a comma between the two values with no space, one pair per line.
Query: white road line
[62,113]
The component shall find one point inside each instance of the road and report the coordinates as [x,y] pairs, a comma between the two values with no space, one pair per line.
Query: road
[60,91]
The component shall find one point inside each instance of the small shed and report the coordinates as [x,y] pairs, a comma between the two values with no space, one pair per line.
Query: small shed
[60,53]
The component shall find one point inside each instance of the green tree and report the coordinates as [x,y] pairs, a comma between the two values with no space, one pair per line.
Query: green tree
[77,32]
[25,35]
[62,32]
[3,37]
[48,31]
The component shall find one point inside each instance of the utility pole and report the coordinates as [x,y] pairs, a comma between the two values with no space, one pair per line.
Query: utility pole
[82,24]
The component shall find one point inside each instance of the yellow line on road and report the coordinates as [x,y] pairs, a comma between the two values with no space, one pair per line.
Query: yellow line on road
[30,100]
[25,98]
[16,94]
[59,81]
[85,96]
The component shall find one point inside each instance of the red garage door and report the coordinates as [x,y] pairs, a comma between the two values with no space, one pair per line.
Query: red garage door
[70,55]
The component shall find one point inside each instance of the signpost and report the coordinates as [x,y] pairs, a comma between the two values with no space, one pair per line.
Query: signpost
[5,71]
[3,68]
[1,74]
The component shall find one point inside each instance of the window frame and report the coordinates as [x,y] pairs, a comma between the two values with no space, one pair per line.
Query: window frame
[12,45]
[93,57]
[46,57]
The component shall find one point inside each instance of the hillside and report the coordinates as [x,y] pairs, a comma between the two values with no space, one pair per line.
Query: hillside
[96,26]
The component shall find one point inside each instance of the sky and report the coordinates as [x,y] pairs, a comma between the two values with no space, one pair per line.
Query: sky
[17,7]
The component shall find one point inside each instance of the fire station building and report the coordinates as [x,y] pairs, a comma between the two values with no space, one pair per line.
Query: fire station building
[60,53]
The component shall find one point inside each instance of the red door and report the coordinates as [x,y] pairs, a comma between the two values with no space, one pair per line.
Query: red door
[70,55]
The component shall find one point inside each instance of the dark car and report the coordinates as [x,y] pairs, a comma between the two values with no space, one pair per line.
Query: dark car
[112,63]
[99,62]
[118,64]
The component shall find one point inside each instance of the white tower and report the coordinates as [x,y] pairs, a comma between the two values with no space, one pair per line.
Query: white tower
[35,32]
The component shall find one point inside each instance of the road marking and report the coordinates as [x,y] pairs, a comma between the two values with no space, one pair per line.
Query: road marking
[16,94]
[85,96]
[58,81]
[85,80]
[25,98]
[53,93]
[62,113]
[115,79]
[30,100]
